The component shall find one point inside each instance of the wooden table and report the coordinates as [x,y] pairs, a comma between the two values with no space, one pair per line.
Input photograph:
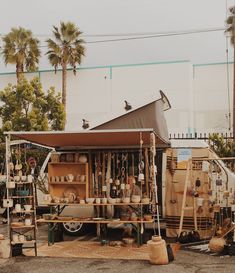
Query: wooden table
[53,223]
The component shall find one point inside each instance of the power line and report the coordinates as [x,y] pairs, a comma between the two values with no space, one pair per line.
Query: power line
[141,36]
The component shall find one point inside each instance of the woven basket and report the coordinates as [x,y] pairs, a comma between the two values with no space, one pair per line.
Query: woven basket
[216,244]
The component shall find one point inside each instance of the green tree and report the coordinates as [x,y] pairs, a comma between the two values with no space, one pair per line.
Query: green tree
[231,30]
[20,48]
[223,148]
[26,107]
[66,49]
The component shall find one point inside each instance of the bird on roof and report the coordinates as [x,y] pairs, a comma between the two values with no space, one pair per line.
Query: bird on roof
[127,106]
[85,124]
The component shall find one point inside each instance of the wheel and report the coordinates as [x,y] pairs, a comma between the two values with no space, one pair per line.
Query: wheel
[73,228]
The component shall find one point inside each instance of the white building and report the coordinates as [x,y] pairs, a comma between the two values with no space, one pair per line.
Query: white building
[200,95]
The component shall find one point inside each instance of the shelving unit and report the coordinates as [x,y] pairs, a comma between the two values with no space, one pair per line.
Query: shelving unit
[27,236]
[60,171]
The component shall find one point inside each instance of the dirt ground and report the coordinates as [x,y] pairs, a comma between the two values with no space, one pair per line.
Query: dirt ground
[185,262]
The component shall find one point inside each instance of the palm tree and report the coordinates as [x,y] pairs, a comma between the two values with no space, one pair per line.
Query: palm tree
[66,49]
[20,48]
[231,29]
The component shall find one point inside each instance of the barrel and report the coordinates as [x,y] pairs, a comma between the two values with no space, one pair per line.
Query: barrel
[157,250]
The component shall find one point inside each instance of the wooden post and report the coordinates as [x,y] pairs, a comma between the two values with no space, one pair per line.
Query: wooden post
[146,170]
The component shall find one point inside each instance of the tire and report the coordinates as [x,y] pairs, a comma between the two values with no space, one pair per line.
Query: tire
[74,228]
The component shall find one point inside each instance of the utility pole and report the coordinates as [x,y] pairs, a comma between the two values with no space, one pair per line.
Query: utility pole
[233,30]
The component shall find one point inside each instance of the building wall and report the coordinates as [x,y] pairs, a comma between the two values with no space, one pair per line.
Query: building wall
[197,93]
[212,97]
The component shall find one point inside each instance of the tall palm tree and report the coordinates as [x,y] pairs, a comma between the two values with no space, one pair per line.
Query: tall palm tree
[20,48]
[66,49]
[231,29]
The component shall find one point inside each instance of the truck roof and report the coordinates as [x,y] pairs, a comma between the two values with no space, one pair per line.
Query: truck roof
[188,143]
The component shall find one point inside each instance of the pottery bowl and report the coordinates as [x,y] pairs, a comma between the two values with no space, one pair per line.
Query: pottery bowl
[27,207]
[128,241]
[148,217]
[90,200]
[126,200]
[145,200]
[111,200]
[135,198]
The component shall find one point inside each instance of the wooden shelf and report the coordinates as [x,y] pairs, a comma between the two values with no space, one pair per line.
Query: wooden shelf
[68,183]
[22,211]
[94,221]
[22,183]
[66,163]
[25,242]
[20,227]
[94,204]
[26,196]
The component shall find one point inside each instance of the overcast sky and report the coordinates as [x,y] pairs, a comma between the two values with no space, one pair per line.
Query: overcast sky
[131,17]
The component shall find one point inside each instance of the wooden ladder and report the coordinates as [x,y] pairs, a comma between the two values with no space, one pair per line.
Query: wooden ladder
[184,207]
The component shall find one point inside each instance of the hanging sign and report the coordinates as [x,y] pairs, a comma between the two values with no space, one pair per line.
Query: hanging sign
[183,155]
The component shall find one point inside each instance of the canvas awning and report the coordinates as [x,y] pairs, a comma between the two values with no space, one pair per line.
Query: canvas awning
[88,139]
[150,115]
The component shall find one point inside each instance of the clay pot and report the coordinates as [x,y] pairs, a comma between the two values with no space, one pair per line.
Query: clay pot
[216,244]
[10,185]
[104,200]
[70,177]
[135,198]
[126,200]
[82,178]
[82,159]
[148,217]
[157,251]
[28,222]
[15,238]
[21,238]
[27,207]
[18,207]
[16,178]
[55,157]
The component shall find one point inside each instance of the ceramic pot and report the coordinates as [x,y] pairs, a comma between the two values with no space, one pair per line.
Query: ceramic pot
[17,178]
[104,200]
[18,207]
[27,207]
[126,200]
[57,179]
[30,178]
[15,238]
[28,222]
[21,238]
[140,176]
[157,251]
[55,157]
[47,198]
[70,177]
[82,159]
[97,200]
[82,178]
[23,178]
[122,186]
[135,198]
[10,185]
